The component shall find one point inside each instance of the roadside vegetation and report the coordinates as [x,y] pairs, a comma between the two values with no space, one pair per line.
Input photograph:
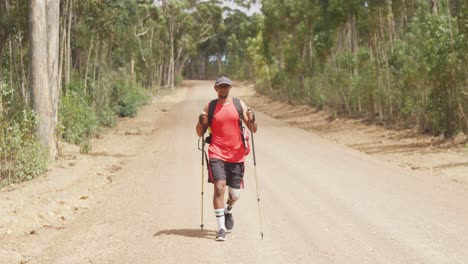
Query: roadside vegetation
[396,62]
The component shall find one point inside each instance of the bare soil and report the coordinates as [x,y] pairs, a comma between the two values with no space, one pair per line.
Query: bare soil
[331,192]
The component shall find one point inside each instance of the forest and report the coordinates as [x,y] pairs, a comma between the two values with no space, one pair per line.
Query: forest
[70,67]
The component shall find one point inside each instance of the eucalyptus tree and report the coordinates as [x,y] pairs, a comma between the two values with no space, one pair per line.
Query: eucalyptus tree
[44,20]
[226,52]
[240,29]
[173,12]
[3,34]
[288,38]
[13,46]
[188,23]
[3,27]
[395,60]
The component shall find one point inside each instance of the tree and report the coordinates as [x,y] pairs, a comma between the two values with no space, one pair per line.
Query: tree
[44,20]
[401,61]
[2,40]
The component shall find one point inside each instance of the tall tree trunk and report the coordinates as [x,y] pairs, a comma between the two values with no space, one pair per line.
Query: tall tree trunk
[220,64]
[63,48]
[404,15]
[23,80]
[2,41]
[1,82]
[3,34]
[391,26]
[449,17]
[434,7]
[172,64]
[96,53]
[132,69]
[170,69]
[87,64]
[14,75]
[53,36]
[270,87]
[68,49]
[354,41]
[161,72]
[18,70]
[181,65]
[39,74]
[202,73]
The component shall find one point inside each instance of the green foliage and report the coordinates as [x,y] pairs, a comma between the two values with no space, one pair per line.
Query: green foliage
[85,146]
[22,157]
[441,54]
[315,92]
[233,31]
[127,99]
[77,118]
[384,60]
[107,118]
[117,47]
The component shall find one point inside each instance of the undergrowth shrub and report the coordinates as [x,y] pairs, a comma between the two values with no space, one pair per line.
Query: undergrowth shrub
[22,157]
[126,98]
[78,121]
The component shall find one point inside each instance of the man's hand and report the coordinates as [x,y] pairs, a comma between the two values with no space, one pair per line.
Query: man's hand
[250,115]
[203,119]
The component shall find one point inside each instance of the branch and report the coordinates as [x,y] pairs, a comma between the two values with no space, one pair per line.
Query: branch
[140,34]
[141,48]
[208,28]
[205,39]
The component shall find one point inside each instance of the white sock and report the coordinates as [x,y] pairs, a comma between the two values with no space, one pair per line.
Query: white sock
[220,218]
[226,209]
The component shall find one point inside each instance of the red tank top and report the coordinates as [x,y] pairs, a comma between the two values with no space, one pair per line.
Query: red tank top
[226,142]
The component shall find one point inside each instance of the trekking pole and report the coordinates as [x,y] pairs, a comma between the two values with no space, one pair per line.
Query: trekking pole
[202,178]
[256,180]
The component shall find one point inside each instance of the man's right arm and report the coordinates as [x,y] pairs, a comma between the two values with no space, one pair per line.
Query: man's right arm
[202,123]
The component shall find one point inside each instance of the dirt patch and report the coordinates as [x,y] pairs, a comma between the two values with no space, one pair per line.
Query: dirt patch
[71,185]
[406,148]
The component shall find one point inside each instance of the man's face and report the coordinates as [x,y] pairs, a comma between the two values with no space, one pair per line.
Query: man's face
[223,90]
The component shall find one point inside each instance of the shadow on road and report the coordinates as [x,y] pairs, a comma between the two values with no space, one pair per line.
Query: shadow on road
[208,234]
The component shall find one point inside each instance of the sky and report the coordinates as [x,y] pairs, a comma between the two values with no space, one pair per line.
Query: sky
[255,8]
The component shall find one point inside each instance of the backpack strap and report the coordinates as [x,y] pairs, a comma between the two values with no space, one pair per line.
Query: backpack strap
[211,109]
[238,106]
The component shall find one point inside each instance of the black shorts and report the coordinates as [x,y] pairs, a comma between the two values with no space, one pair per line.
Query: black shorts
[232,173]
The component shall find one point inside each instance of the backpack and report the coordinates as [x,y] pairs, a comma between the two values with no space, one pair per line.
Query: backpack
[243,130]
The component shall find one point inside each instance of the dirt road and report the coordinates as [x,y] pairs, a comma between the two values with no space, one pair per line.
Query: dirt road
[136,199]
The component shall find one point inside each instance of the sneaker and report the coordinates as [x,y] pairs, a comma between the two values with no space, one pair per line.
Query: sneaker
[221,236]
[228,221]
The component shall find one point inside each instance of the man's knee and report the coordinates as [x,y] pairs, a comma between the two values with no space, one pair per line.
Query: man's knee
[234,194]
[219,188]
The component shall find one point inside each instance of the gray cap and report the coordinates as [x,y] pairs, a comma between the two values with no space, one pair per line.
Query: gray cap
[222,80]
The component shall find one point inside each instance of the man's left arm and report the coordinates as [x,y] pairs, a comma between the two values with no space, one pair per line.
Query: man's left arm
[249,117]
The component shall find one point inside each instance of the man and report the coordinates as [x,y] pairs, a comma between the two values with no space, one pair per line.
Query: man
[226,151]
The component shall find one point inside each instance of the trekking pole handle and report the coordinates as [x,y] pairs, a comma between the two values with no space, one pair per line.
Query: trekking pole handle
[253,143]
[253,114]
[203,119]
